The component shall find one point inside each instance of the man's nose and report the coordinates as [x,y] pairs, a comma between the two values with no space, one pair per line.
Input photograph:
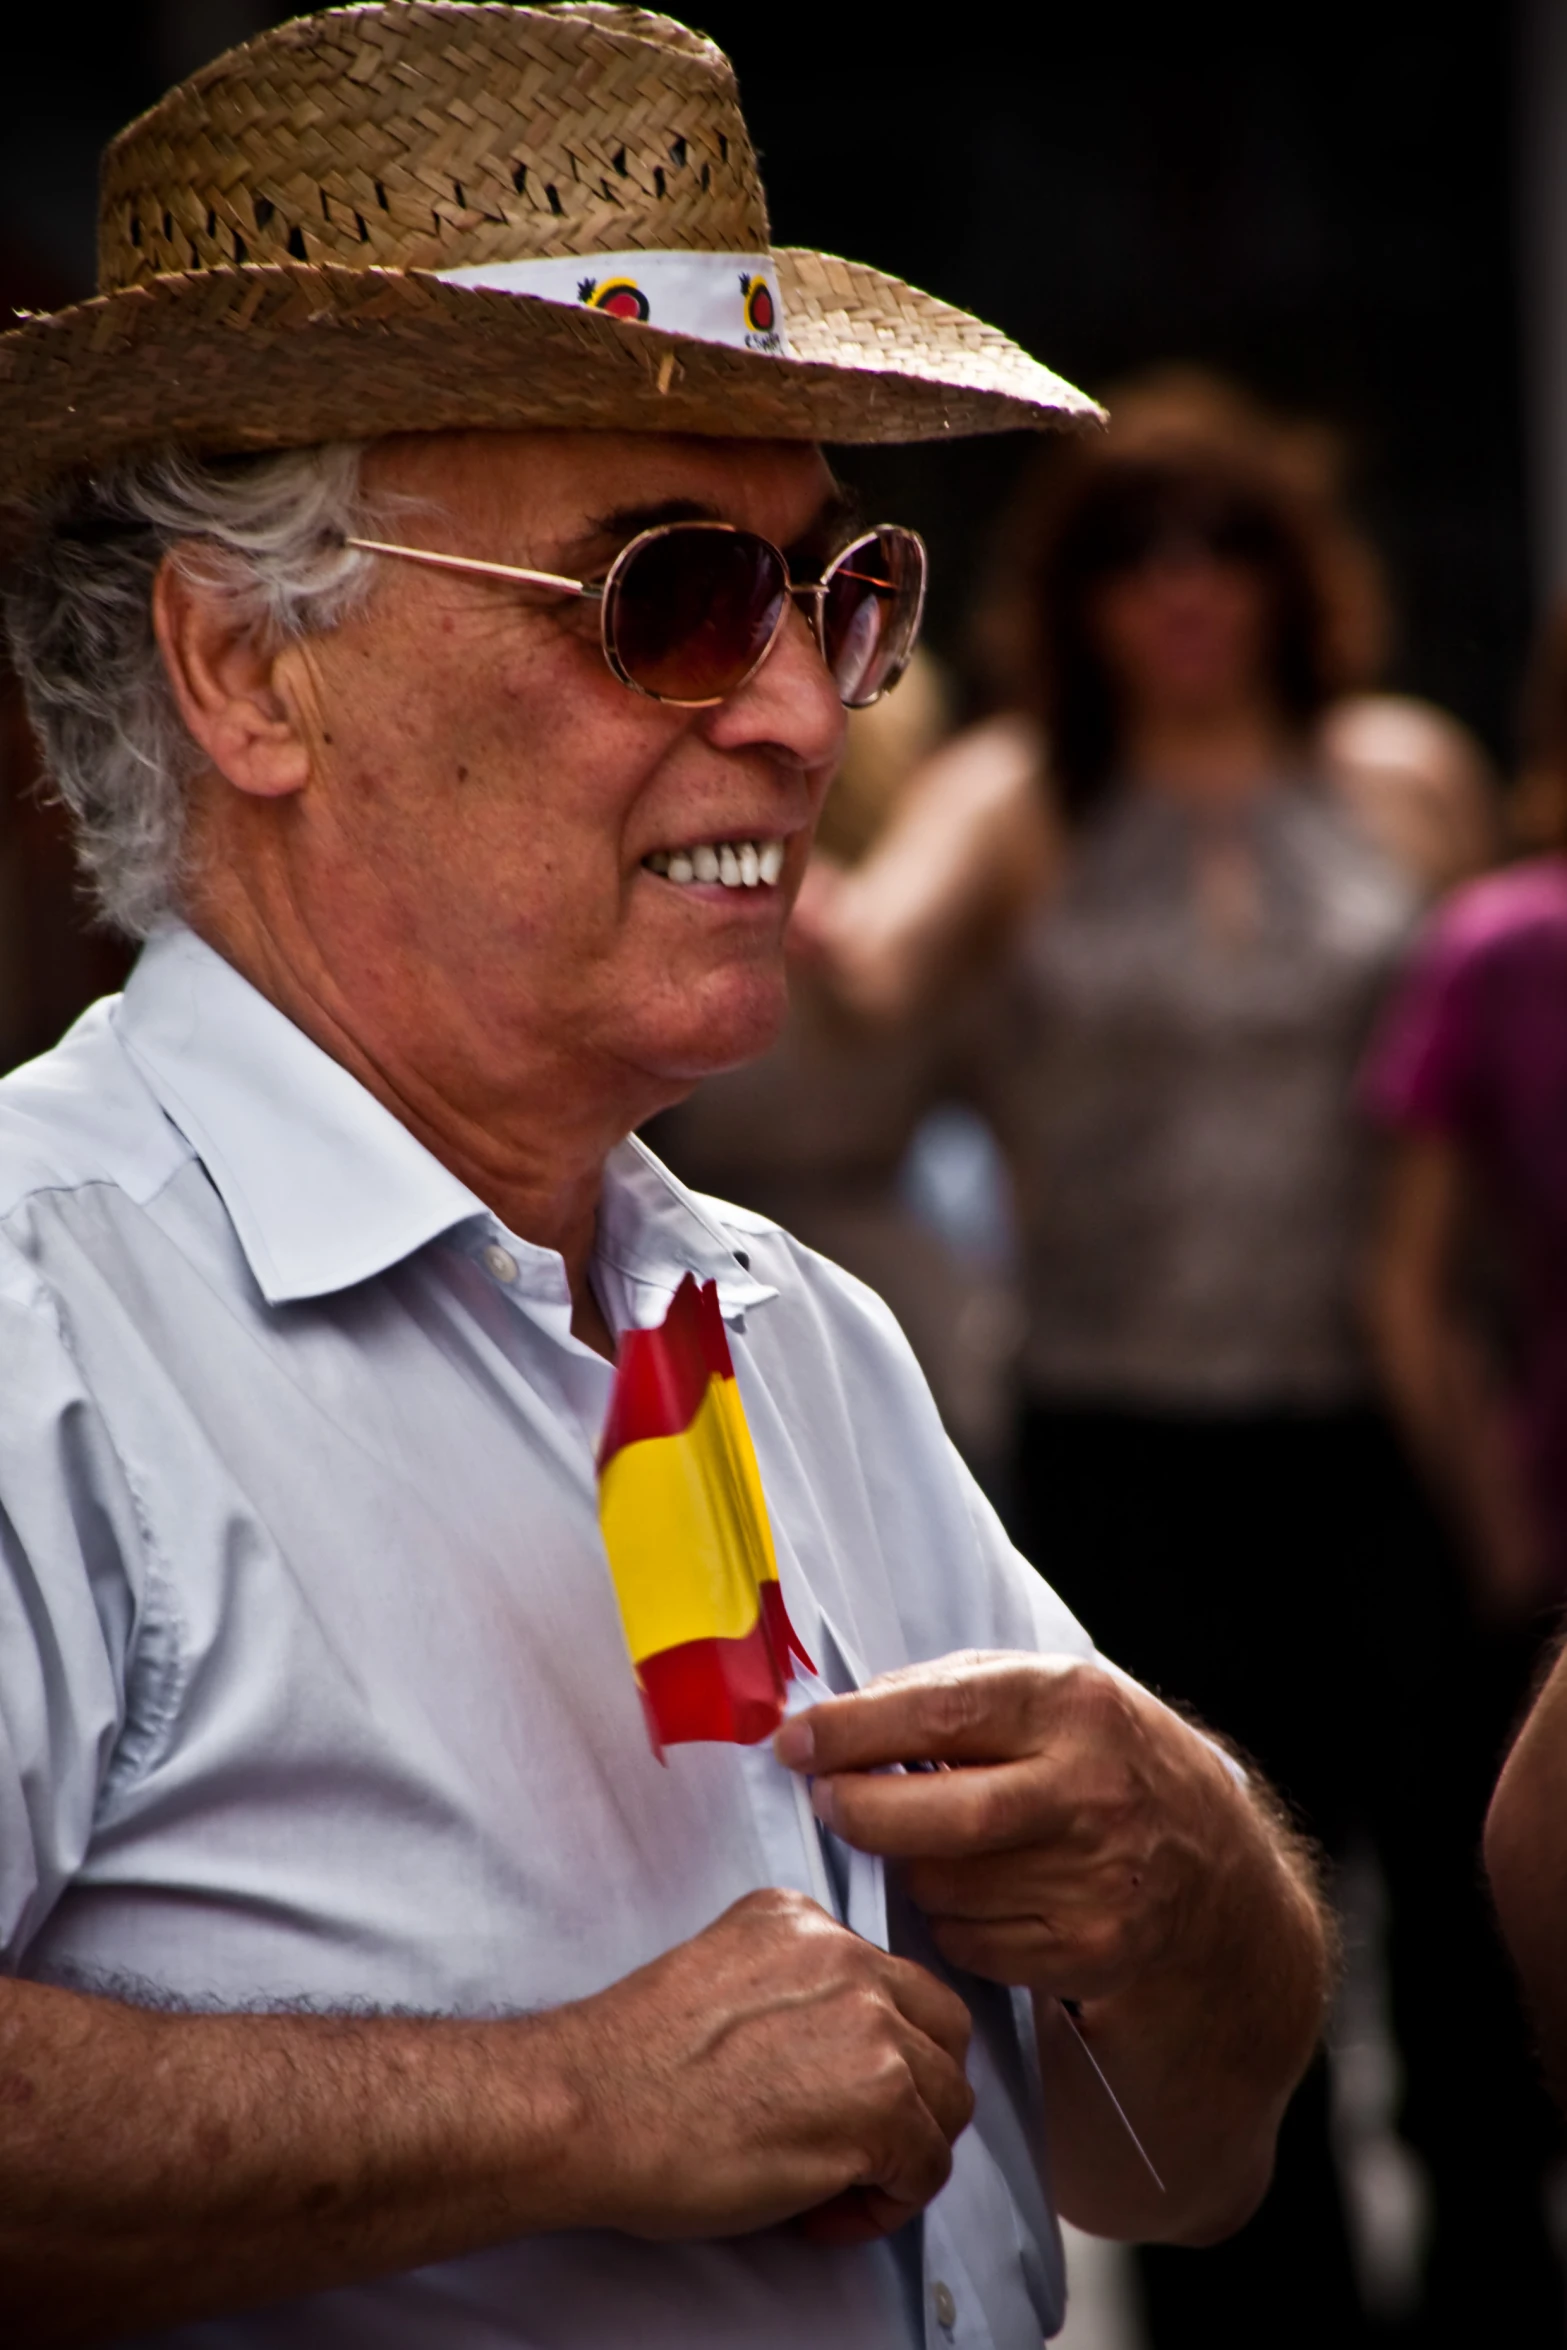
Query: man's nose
[790,704]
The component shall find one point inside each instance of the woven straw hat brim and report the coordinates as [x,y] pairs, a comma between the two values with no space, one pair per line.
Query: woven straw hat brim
[272,356]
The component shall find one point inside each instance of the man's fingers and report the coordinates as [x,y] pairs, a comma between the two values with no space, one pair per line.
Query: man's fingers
[887,2214]
[940,1815]
[857,2216]
[981,1885]
[932,2008]
[943,2086]
[1043,1880]
[1018,1950]
[916,2160]
[969,1708]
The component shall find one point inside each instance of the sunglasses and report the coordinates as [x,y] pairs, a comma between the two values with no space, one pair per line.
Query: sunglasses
[689,611]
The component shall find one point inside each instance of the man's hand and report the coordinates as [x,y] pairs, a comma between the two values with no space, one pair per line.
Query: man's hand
[1064,1852]
[156,2168]
[1077,1838]
[771,2066]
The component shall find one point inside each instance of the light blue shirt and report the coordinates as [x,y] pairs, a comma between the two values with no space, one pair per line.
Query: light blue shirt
[313,1690]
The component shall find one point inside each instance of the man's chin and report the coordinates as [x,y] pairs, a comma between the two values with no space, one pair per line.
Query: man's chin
[728,1027]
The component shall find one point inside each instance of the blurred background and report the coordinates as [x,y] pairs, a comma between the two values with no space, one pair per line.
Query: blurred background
[1325,252]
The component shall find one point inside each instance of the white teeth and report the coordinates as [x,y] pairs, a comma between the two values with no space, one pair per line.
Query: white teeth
[738,864]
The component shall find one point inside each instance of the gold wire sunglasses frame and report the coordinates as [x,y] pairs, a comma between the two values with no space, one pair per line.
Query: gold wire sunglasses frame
[910,564]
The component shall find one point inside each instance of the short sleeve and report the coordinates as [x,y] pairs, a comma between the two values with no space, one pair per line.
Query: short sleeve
[1019,1603]
[67,1608]
[1419,1069]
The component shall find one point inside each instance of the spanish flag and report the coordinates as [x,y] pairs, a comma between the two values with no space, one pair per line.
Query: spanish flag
[685,1526]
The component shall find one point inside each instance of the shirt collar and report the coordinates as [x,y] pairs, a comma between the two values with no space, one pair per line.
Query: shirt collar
[656,1231]
[323,1185]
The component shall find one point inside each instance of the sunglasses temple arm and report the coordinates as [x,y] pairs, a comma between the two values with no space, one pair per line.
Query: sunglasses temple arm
[471,563]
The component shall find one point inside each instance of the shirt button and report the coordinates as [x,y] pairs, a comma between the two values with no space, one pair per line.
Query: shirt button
[500,1261]
[945,2307]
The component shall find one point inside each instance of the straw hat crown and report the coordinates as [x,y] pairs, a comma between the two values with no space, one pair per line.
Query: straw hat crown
[437,136]
[370,221]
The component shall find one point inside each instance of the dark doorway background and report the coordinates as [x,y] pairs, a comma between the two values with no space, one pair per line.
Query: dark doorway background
[1321,203]
[1323,206]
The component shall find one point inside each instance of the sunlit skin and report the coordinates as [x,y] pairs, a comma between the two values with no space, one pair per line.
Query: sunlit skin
[1185,636]
[422,833]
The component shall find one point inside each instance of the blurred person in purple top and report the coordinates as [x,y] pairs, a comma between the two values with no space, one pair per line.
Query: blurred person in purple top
[1470,1074]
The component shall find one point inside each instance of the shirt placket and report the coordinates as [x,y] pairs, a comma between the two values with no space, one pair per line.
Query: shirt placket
[792,1846]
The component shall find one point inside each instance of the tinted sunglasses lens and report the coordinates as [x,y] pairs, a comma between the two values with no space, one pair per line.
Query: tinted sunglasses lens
[871,612]
[693,610]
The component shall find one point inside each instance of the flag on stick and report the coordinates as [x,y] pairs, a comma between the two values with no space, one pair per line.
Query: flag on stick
[685,1526]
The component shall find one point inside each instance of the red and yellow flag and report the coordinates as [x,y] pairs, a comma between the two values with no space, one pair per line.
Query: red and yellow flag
[685,1526]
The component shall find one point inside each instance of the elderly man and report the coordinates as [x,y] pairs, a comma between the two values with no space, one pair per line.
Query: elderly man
[455,735]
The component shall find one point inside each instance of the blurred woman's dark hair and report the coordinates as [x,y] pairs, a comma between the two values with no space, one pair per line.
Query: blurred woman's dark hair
[1187,463]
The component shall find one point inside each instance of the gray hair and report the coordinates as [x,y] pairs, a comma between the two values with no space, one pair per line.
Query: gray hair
[266,533]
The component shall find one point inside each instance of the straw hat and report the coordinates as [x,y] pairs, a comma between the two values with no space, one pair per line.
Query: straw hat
[421,216]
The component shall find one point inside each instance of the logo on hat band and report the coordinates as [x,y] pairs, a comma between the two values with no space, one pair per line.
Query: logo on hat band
[716,297]
[622,297]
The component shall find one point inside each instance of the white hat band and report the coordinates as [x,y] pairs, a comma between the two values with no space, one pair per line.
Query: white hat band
[716,297]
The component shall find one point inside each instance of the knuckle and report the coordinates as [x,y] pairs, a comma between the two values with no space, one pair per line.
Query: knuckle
[870,2012]
[1100,1941]
[963,2102]
[997,1809]
[909,2105]
[960,2023]
[1107,1831]
[952,1702]
[770,1901]
[886,2098]
[905,2115]
[1094,1694]
[1102,1947]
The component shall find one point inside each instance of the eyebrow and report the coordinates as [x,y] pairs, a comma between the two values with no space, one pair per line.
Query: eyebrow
[838,509]
[625,521]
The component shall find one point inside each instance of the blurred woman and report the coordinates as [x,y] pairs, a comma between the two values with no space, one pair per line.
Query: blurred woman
[1199,1466]
[975,840]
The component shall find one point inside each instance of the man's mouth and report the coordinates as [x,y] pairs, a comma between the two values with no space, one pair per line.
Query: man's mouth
[735,864]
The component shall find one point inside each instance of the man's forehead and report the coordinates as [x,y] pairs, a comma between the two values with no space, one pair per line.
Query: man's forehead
[583,484]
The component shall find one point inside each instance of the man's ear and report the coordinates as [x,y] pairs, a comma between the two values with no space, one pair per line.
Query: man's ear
[226,685]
